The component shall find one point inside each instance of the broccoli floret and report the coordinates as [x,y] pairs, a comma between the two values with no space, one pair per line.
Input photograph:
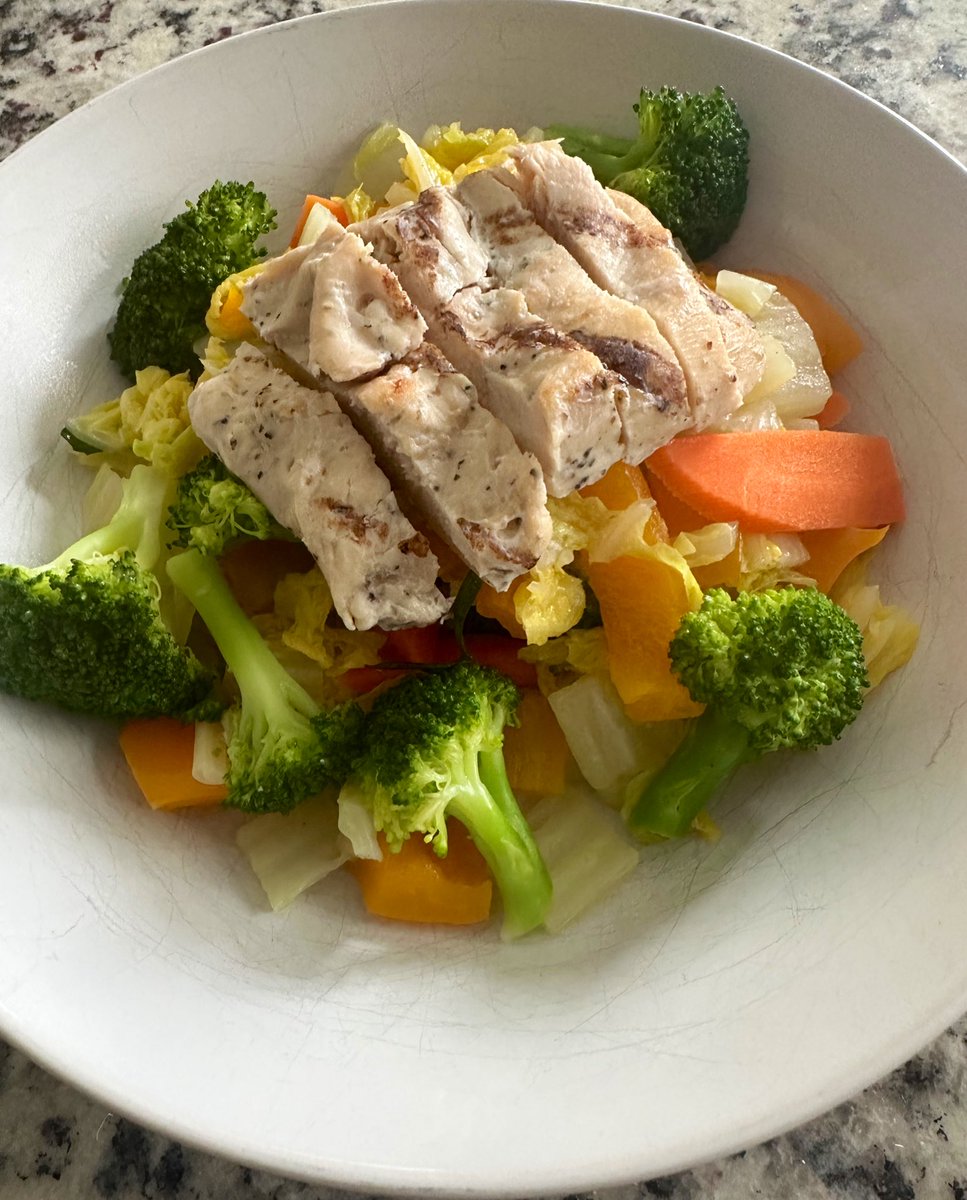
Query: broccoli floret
[282,747]
[213,509]
[433,749]
[164,299]
[689,163]
[778,669]
[86,632]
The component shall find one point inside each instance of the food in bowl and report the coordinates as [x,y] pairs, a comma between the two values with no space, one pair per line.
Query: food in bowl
[494,431]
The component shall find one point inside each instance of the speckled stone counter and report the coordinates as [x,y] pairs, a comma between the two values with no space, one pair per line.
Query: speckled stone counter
[902,1139]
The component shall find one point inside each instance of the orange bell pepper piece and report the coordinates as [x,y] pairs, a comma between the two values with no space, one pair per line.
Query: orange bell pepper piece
[643,600]
[832,550]
[160,752]
[536,753]
[415,884]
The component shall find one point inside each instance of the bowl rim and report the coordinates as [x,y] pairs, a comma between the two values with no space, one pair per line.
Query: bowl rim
[353,1175]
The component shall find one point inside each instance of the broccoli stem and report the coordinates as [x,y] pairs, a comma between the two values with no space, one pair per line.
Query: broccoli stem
[587,142]
[136,525]
[712,749]
[489,810]
[265,684]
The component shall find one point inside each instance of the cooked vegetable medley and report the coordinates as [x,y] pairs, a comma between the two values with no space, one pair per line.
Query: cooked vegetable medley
[475,541]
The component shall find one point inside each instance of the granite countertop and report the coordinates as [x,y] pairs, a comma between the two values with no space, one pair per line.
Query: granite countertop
[904,1138]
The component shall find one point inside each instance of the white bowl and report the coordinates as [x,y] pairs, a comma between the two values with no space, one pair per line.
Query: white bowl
[725,993]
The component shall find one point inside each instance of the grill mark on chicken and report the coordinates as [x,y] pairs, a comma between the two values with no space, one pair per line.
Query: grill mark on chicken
[452,464]
[633,362]
[627,252]
[602,224]
[557,289]
[527,372]
[482,538]
[358,525]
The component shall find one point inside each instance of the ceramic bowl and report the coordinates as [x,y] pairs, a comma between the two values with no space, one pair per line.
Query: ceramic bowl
[725,992]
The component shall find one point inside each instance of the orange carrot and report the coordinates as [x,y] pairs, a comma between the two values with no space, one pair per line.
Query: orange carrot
[253,569]
[784,480]
[837,407]
[832,550]
[160,752]
[536,751]
[415,884]
[678,517]
[838,341]
[334,206]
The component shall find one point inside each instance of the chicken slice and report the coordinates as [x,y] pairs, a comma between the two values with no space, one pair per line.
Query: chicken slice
[742,341]
[298,452]
[333,308]
[556,288]
[455,462]
[557,398]
[628,252]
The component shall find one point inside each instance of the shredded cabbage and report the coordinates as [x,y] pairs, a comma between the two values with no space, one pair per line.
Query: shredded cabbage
[293,852]
[890,634]
[795,382]
[445,155]
[303,604]
[147,422]
[586,850]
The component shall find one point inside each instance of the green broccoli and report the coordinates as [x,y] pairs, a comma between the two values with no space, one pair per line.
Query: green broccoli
[433,749]
[86,631]
[781,668]
[165,298]
[213,509]
[282,747]
[689,163]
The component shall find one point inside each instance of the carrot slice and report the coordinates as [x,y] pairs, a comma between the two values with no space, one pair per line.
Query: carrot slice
[415,884]
[536,751]
[836,409]
[334,206]
[784,480]
[838,341]
[677,515]
[832,550]
[160,753]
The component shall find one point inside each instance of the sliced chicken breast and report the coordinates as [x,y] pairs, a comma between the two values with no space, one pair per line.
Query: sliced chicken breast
[522,256]
[333,308]
[743,343]
[299,453]
[558,399]
[455,463]
[628,252]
